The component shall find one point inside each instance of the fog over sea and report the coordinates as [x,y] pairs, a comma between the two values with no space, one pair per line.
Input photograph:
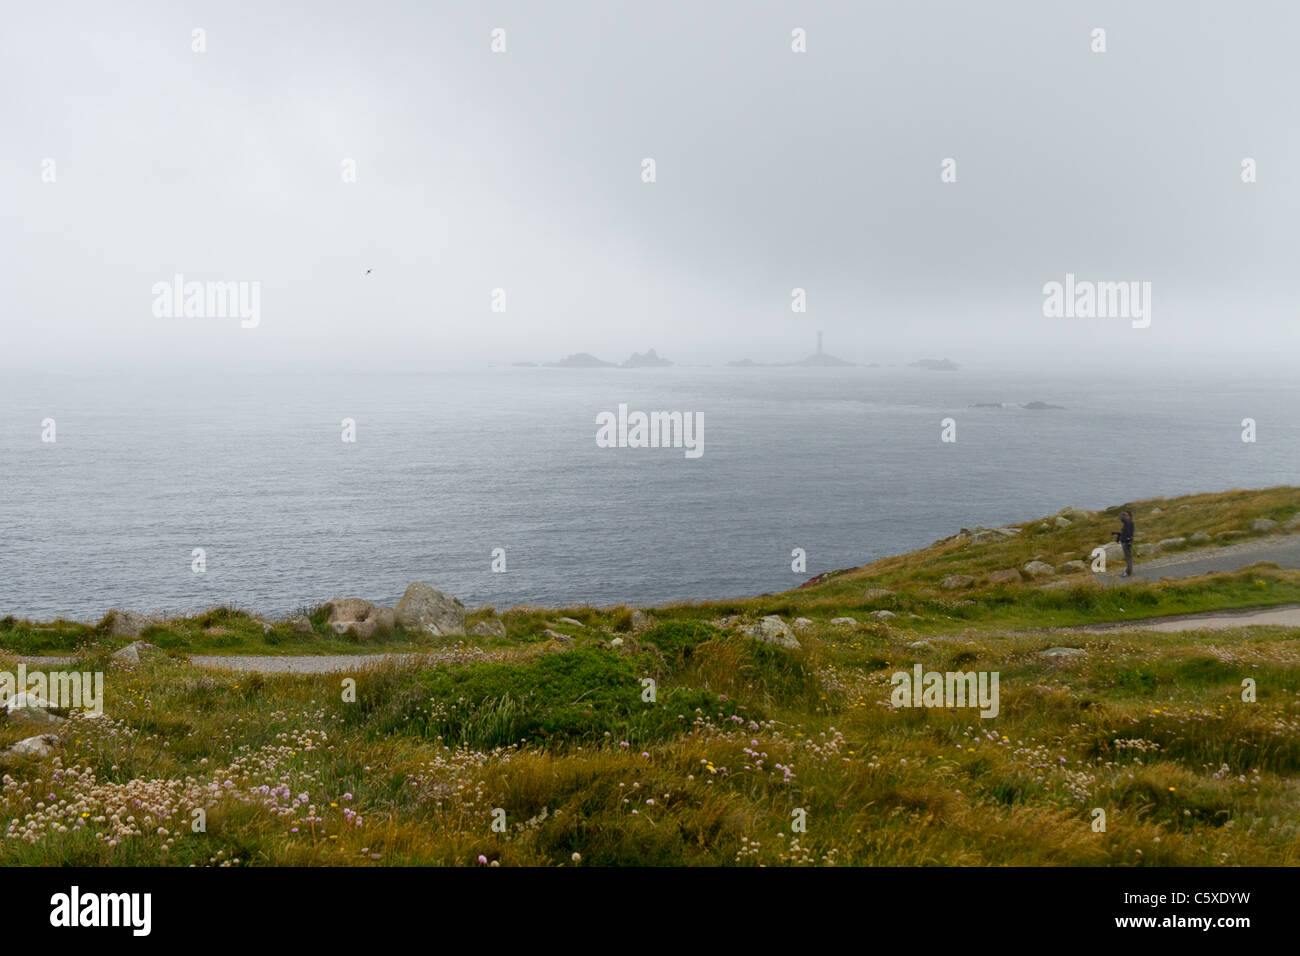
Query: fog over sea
[450,464]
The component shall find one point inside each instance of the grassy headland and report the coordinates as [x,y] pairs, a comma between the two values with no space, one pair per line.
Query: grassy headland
[552,725]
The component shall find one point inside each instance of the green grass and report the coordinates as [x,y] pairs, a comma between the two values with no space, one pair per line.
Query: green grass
[402,765]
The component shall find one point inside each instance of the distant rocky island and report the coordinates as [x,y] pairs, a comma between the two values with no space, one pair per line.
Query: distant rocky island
[651,359]
[580,360]
[935,365]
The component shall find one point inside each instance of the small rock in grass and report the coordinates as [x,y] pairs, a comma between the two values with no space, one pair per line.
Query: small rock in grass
[132,653]
[1038,569]
[490,628]
[42,745]
[773,630]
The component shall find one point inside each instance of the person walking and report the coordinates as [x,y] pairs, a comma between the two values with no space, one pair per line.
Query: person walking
[1125,537]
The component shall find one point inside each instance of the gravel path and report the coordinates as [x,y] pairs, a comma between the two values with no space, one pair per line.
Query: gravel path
[1284,552]
[1288,616]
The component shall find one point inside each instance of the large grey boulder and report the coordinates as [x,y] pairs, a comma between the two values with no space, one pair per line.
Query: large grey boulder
[1293,524]
[378,622]
[423,608]
[883,615]
[1060,521]
[1073,567]
[773,630]
[300,625]
[874,594]
[1063,652]
[847,622]
[1038,569]
[1263,525]
[347,611]
[1005,576]
[1167,543]
[954,581]
[127,623]
[1200,537]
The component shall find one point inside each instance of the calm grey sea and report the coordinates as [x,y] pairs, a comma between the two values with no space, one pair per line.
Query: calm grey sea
[448,465]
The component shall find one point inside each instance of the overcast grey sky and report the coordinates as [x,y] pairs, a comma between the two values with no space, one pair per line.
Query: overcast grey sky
[522,170]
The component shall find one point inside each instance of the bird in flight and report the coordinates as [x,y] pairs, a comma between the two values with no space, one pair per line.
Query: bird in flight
[368,271]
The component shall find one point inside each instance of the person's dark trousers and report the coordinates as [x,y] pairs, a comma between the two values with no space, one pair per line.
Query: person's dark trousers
[1128,556]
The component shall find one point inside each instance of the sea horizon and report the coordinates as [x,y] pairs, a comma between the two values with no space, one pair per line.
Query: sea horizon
[848,464]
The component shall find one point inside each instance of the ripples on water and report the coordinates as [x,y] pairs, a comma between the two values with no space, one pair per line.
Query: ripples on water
[845,463]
